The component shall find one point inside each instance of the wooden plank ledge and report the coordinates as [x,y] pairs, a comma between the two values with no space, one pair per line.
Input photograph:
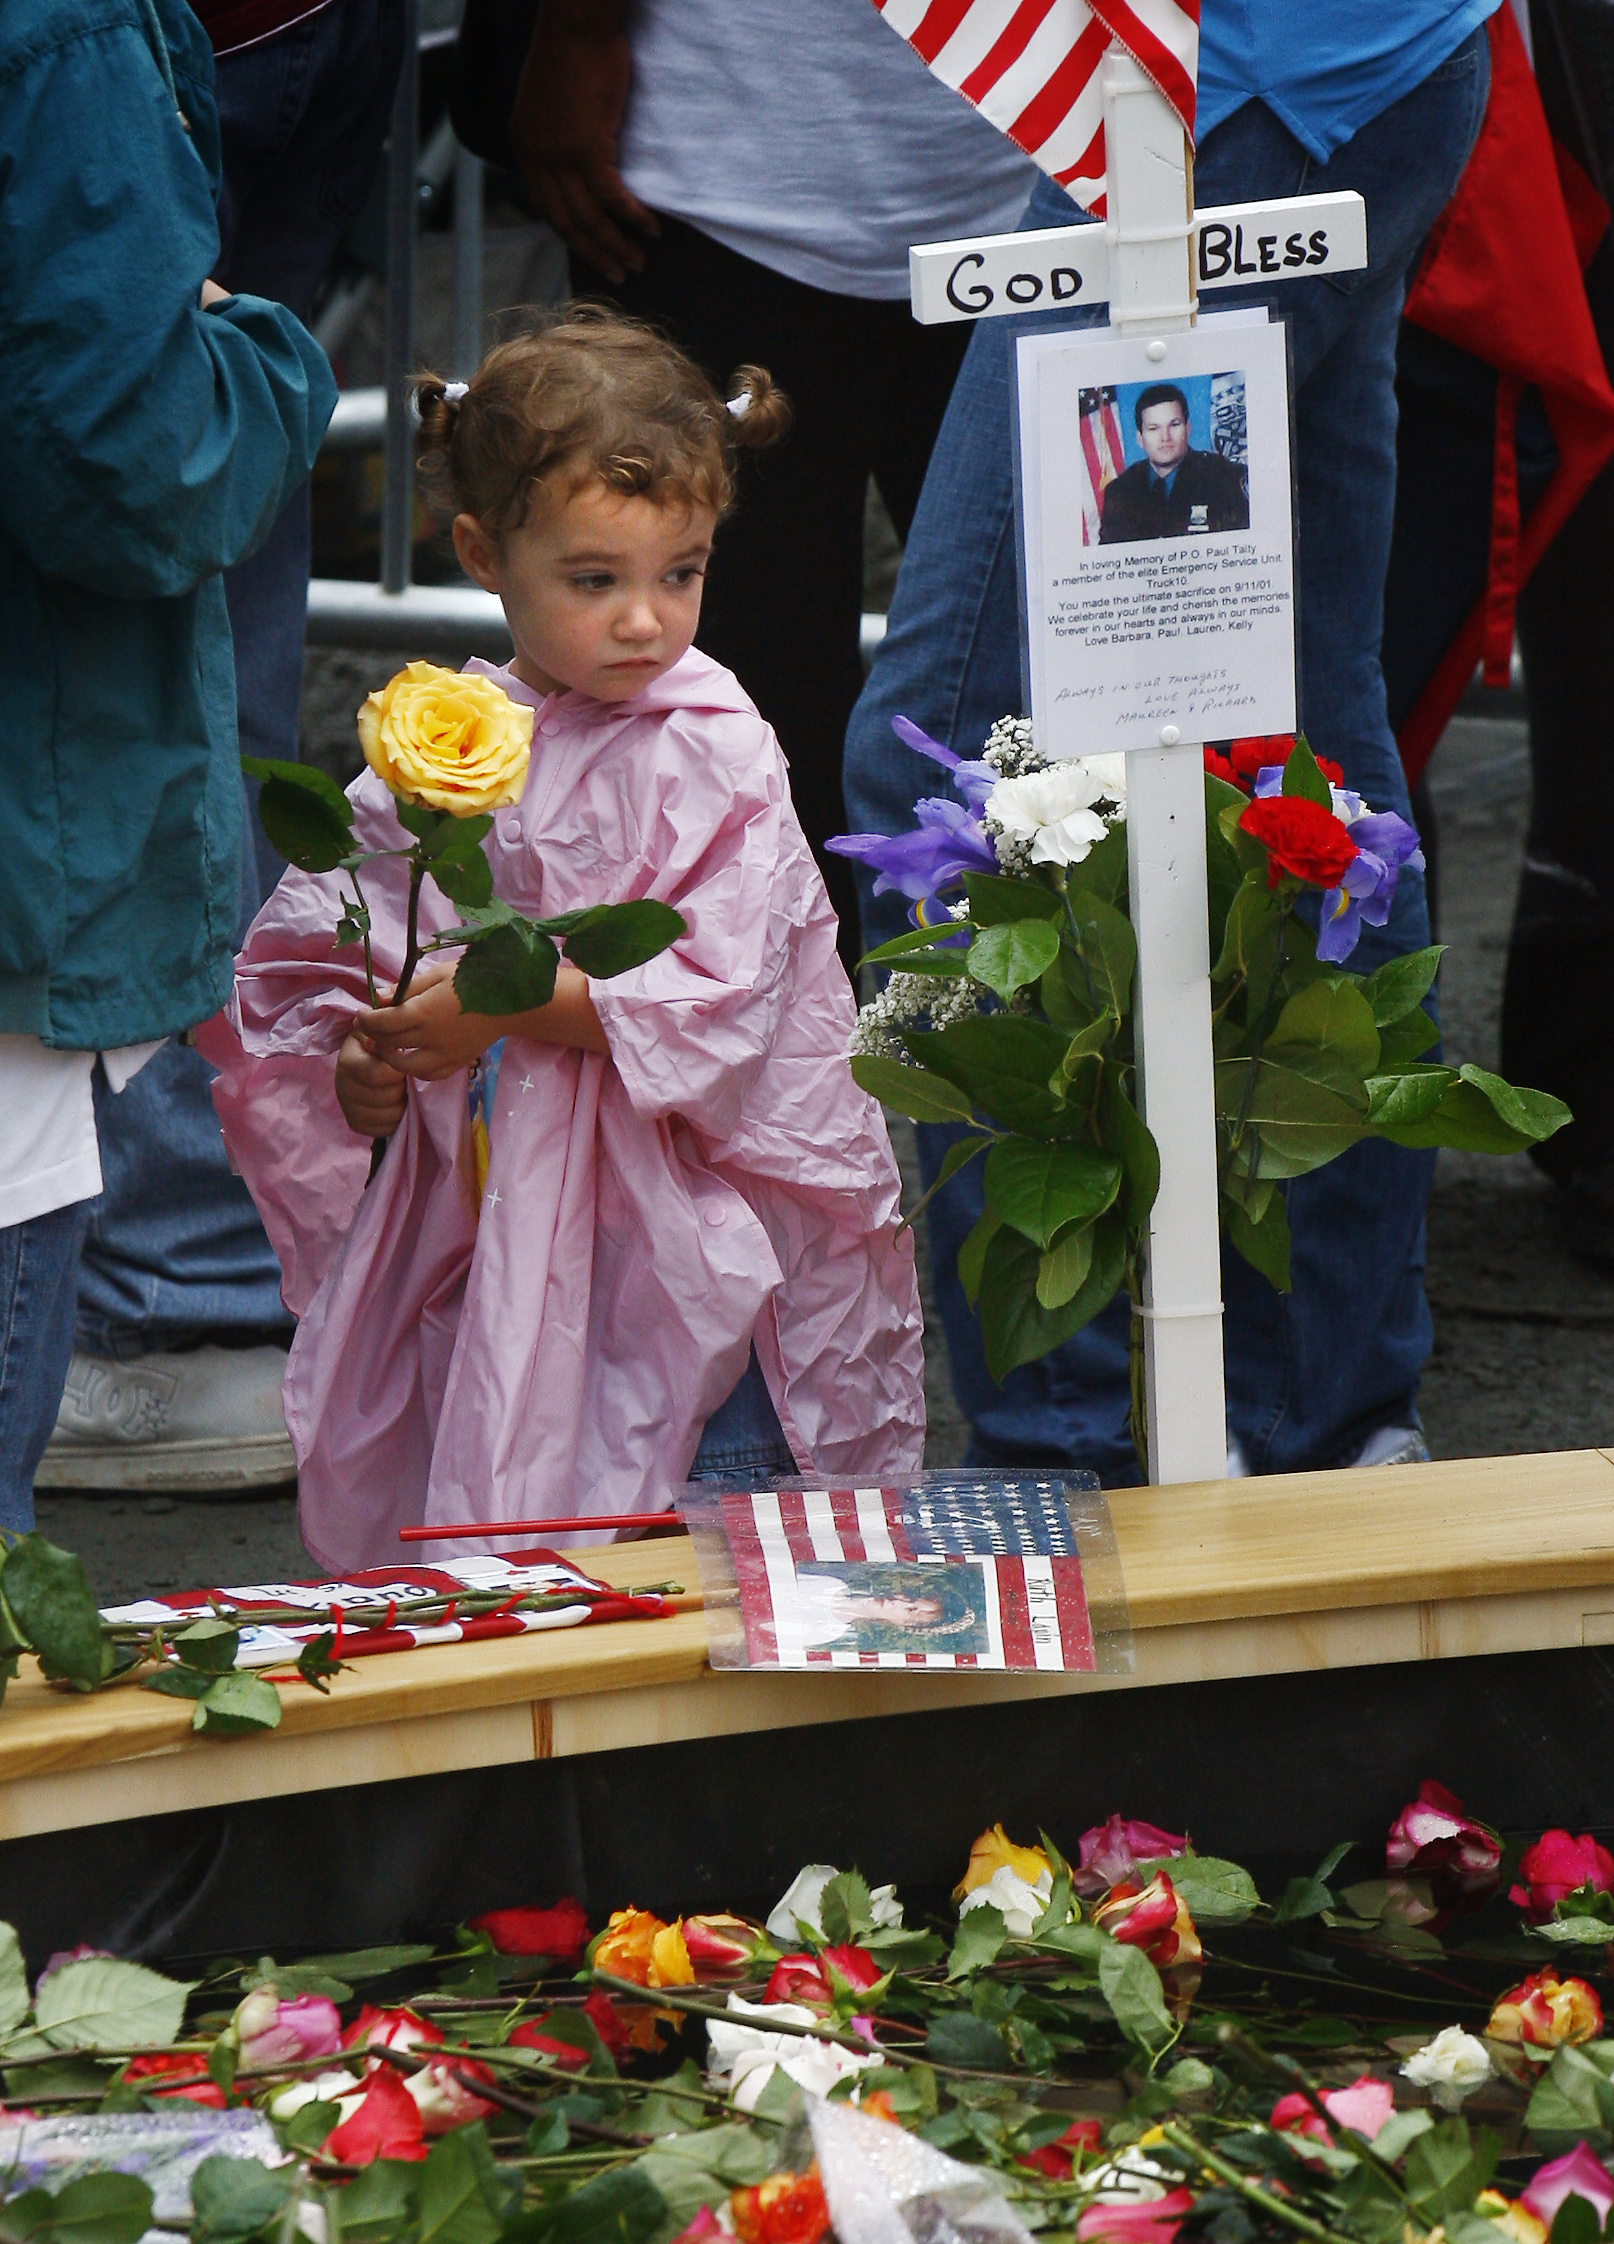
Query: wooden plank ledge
[1223,1578]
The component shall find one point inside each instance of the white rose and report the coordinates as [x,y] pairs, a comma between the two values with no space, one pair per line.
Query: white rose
[1052,810]
[801,1905]
[1019,1904]
[1451,2066]
[325,2088]
[745,2058]
[1129,2179]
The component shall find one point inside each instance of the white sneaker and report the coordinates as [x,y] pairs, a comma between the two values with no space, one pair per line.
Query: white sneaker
[204,1422]
[1395,1445]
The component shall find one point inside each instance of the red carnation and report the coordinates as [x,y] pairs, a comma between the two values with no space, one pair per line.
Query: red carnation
[1219,768]
[1300,838]
[1256,752]
[561,1932]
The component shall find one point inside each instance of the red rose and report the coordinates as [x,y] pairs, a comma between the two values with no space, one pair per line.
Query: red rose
[1151,1918]
[722,1947]
[387,2124]
[855,1965]
[175,2064]
[443,2097]
[561,1932]
[1058,2160]
[785,2209]
[798,1979]
[609,2023]
[389,2029]
[532,2036]
[1432,1833]
[1556,1865]
[1300,838]
[1545,2011]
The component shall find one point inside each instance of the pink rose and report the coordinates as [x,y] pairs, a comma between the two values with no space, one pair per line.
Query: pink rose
[272,2032]
[1155,2222]
[721,1946]
[1365,2106]
[1432,1833]
[1578,2174]
[1112,1851]
[1557,1865]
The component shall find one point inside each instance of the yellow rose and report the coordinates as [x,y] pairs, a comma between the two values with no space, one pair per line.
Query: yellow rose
[448,738]
[992,1851]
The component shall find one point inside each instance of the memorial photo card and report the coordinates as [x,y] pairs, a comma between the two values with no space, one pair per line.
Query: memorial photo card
[1156,534]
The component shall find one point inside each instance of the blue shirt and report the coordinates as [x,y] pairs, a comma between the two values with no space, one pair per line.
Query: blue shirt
[1159,482]
[1325,70]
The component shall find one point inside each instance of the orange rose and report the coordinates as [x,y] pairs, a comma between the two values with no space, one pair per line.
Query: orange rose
[1544,2012]
[785,2209]
[1511,2218]
[994,1850]
[638,1946]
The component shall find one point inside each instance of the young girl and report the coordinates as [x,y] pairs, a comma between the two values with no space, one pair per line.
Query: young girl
[685,1249]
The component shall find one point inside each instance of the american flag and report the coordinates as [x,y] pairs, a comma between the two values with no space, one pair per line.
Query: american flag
[1032,68]
[1104,453]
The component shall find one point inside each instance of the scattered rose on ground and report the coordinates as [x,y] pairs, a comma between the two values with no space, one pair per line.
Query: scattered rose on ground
[1544,2012]
[1363,2105]
[745,2053]
[443,2098]
[807,1979]
[1152,1917]
[561,1932]
[174,2064]
[1557,1866]
[389,2029]
[1432,1832]
[1154,2223]
[268,2031]
[722,1947]
[1020,1905]
[1058,2159]
[994,1850]
[636,1945]
[531,2035]
[799,1906]
[1511,2217]
[1451,2066]
[322,2088]
[386,2123]
[785,2209]
[1577,2174]
[1112,1851]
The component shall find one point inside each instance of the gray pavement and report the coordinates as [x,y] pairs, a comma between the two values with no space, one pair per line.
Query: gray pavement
[1524,1335]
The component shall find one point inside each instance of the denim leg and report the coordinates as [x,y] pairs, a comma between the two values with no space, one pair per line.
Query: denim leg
[743,1440]
[175,1252]
[37,1264]
[1311,1374]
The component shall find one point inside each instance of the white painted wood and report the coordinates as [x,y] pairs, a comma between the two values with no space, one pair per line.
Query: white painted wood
[992,275]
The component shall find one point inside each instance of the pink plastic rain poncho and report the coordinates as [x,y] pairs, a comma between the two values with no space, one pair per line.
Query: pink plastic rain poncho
[718,1180]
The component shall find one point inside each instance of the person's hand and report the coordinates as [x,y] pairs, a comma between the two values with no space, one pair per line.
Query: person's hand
[564,125]
[427,1036]
[369,1092]
[213,294]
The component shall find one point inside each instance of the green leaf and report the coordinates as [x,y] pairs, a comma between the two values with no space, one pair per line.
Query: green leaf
[1124,1133]
[1308,1110]
[1063,1268]
[1393,989]
[236,1703]
[1468,1119]
[1575,2222]
[464,876]
[996,901]
[317,1661]
[611,939]
[1039,1189]
[1215,1891]
[232,2198]
[1102,872]
[1302,1897]
[1250,937]
[1565,2103]
[1108,947]
[981,1933]
[1064,996]
[972,1254]
[52,1603]
[1015,1326]
[456,2204]
[1407,1096]
[1190,2076]
[958,2037]
[1006,957]
[958,1156]
[174,1682]
[909,1090]
[303,811]
[222,2060]
[309,2125]
[101,2003]
[509,969]
[1264,1245]
[623,2206]
[1333,1017]
[370,1963]
[903,948]
[1399,2132]
[208,1646]
[93,2209]
[1301,777]
[1535,1115]
[548,2134]
[843,1908]
[377,2201]
[1447,2168]
[1406,1039]
[1131,1986]
[13,1980]
[1005,1065]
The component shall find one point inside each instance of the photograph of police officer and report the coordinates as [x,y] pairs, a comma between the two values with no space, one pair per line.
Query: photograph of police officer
[1174,491]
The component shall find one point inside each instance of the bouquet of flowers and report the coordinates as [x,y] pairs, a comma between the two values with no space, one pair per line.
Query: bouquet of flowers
[452,748]
[1008,1014]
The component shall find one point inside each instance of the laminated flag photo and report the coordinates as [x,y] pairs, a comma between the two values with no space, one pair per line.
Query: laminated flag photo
[991,1572]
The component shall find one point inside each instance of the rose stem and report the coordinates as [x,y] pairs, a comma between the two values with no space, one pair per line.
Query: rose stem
[1180,2139]
[411,959]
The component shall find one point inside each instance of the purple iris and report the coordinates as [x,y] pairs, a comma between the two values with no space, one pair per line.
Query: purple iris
[1384,843]
[949,840]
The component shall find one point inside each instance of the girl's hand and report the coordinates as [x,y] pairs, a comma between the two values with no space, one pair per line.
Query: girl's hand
[369,1092]
[427,1036]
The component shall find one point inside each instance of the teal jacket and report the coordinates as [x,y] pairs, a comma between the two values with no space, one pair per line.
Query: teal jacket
[145,445]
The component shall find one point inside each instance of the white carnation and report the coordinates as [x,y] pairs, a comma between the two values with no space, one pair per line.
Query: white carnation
[1019,1904]
[1051,811]
[1451,2066]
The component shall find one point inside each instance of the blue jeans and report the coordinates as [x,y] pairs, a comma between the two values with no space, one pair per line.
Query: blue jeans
[743,1440]
[175,1252]
[37,1262]
[1310,1374]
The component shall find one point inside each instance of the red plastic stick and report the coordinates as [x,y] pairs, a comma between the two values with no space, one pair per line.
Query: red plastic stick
[541,1527]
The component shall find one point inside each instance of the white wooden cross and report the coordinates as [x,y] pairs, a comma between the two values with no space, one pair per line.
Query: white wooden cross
[1148,260]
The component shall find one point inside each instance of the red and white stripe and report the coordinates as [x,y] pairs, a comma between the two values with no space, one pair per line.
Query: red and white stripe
[1032,68]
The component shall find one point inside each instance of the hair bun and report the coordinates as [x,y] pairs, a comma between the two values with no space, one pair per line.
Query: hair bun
[436,406]
[759,411]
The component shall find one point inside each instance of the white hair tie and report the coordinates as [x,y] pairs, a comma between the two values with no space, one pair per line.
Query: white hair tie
[454,391]
[741,405]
